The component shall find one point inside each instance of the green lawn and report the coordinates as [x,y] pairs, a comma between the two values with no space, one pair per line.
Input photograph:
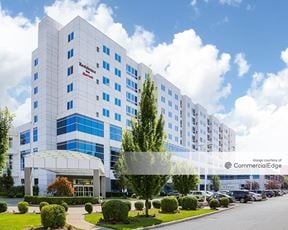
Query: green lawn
[140,221]
[10,221]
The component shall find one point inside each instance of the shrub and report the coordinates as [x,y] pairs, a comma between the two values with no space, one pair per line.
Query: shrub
[189,203]
[128,204]
[224,201]
[180,199]
[3,207]
[59,200]
[65,206]
[156,204]
[139,205]
[23,207]
[115,210]
[169,204]
[53,216]
[133,195]
[42,204]
[214,203]
[61,187]
[89,208]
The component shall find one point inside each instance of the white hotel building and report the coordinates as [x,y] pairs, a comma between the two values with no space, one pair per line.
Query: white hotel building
[85,90]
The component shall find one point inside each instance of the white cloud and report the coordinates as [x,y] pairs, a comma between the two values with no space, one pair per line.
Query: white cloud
[230,2]
[284,56]
[193,2]
[260,117]
[243,66]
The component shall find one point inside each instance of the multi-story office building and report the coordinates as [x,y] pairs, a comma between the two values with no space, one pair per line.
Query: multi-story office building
[85,90]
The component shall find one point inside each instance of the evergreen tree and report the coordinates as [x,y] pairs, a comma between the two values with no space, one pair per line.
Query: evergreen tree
[7,181]
[147,135]
[215,182]
[6,119]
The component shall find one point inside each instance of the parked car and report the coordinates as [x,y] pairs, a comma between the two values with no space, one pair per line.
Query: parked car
[240,195]
[263,194]
[200,193]
[269,193]
[255,196]
[219,195]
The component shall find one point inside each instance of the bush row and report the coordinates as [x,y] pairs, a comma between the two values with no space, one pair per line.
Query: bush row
[60,200]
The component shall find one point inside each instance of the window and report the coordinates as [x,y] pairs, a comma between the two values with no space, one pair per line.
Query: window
[117,57]
[115,133]
[114,156]
[106,113]
[128,123]
[70,88]
[105,80]
[176,118]
[169,92]
[106,65]
[82,146]
[35,119]
[35,76]
[36,61]
[163,111]
[35,90]
[176,97]
[169,125]
[35,104]
[69,105]
[170,114]
[163,99]
[35,150]
[22,162]
[131,84]
[117,87]
[70,70]
[25,137]
[70,53]
[176,107]
[131,71]
[163,87]
[131,98]
[106,97]
[106,50]
[131,111]
[170,103]
[70,36]
[117,117]
[117,102]
[170,136]
[117,72]
[176,128]
[80,123]
[35,134]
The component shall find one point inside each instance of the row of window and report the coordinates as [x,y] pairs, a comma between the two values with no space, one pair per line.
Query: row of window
[25,136]
[163,88]
[106,50]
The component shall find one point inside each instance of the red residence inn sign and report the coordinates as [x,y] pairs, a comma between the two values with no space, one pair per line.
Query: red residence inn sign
[87,72]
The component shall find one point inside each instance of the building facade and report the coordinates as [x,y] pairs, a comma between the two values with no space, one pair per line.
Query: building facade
[85,90]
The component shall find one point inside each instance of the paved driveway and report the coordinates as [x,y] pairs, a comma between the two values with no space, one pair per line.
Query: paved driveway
[263,215]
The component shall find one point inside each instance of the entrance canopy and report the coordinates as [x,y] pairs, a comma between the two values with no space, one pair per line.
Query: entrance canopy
[65,162]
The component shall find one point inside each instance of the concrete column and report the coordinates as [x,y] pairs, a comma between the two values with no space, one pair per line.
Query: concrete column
[28,181]
[96,182]
[103,186]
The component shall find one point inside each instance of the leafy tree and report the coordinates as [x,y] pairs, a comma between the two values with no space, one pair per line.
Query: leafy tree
[253,185]
[7,181]
[184,179]
[6,119]
[215,182]
[285,182]
[61,187]
[273,184]
[147,135]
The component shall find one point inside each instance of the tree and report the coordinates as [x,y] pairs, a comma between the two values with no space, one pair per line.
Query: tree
[285,182]
[184,179]
[251,185]
[7,181]
[147,135]
[215,182]
[61,187]
[273,184]
[6,119]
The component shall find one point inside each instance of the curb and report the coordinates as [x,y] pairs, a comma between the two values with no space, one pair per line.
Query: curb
[186,219]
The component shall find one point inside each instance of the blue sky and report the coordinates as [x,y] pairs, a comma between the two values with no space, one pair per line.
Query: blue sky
[250,27]
[193,45]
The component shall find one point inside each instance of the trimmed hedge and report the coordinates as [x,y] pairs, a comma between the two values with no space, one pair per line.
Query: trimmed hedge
[156,204]
[115,210]
[42,204]
[89,208]
[23,207]
[189,203]
[60,200]
[3,207]
[65,206]
[214,203]
[53,216]
[128,204]
[224,201]
[169,204]
[139,205]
